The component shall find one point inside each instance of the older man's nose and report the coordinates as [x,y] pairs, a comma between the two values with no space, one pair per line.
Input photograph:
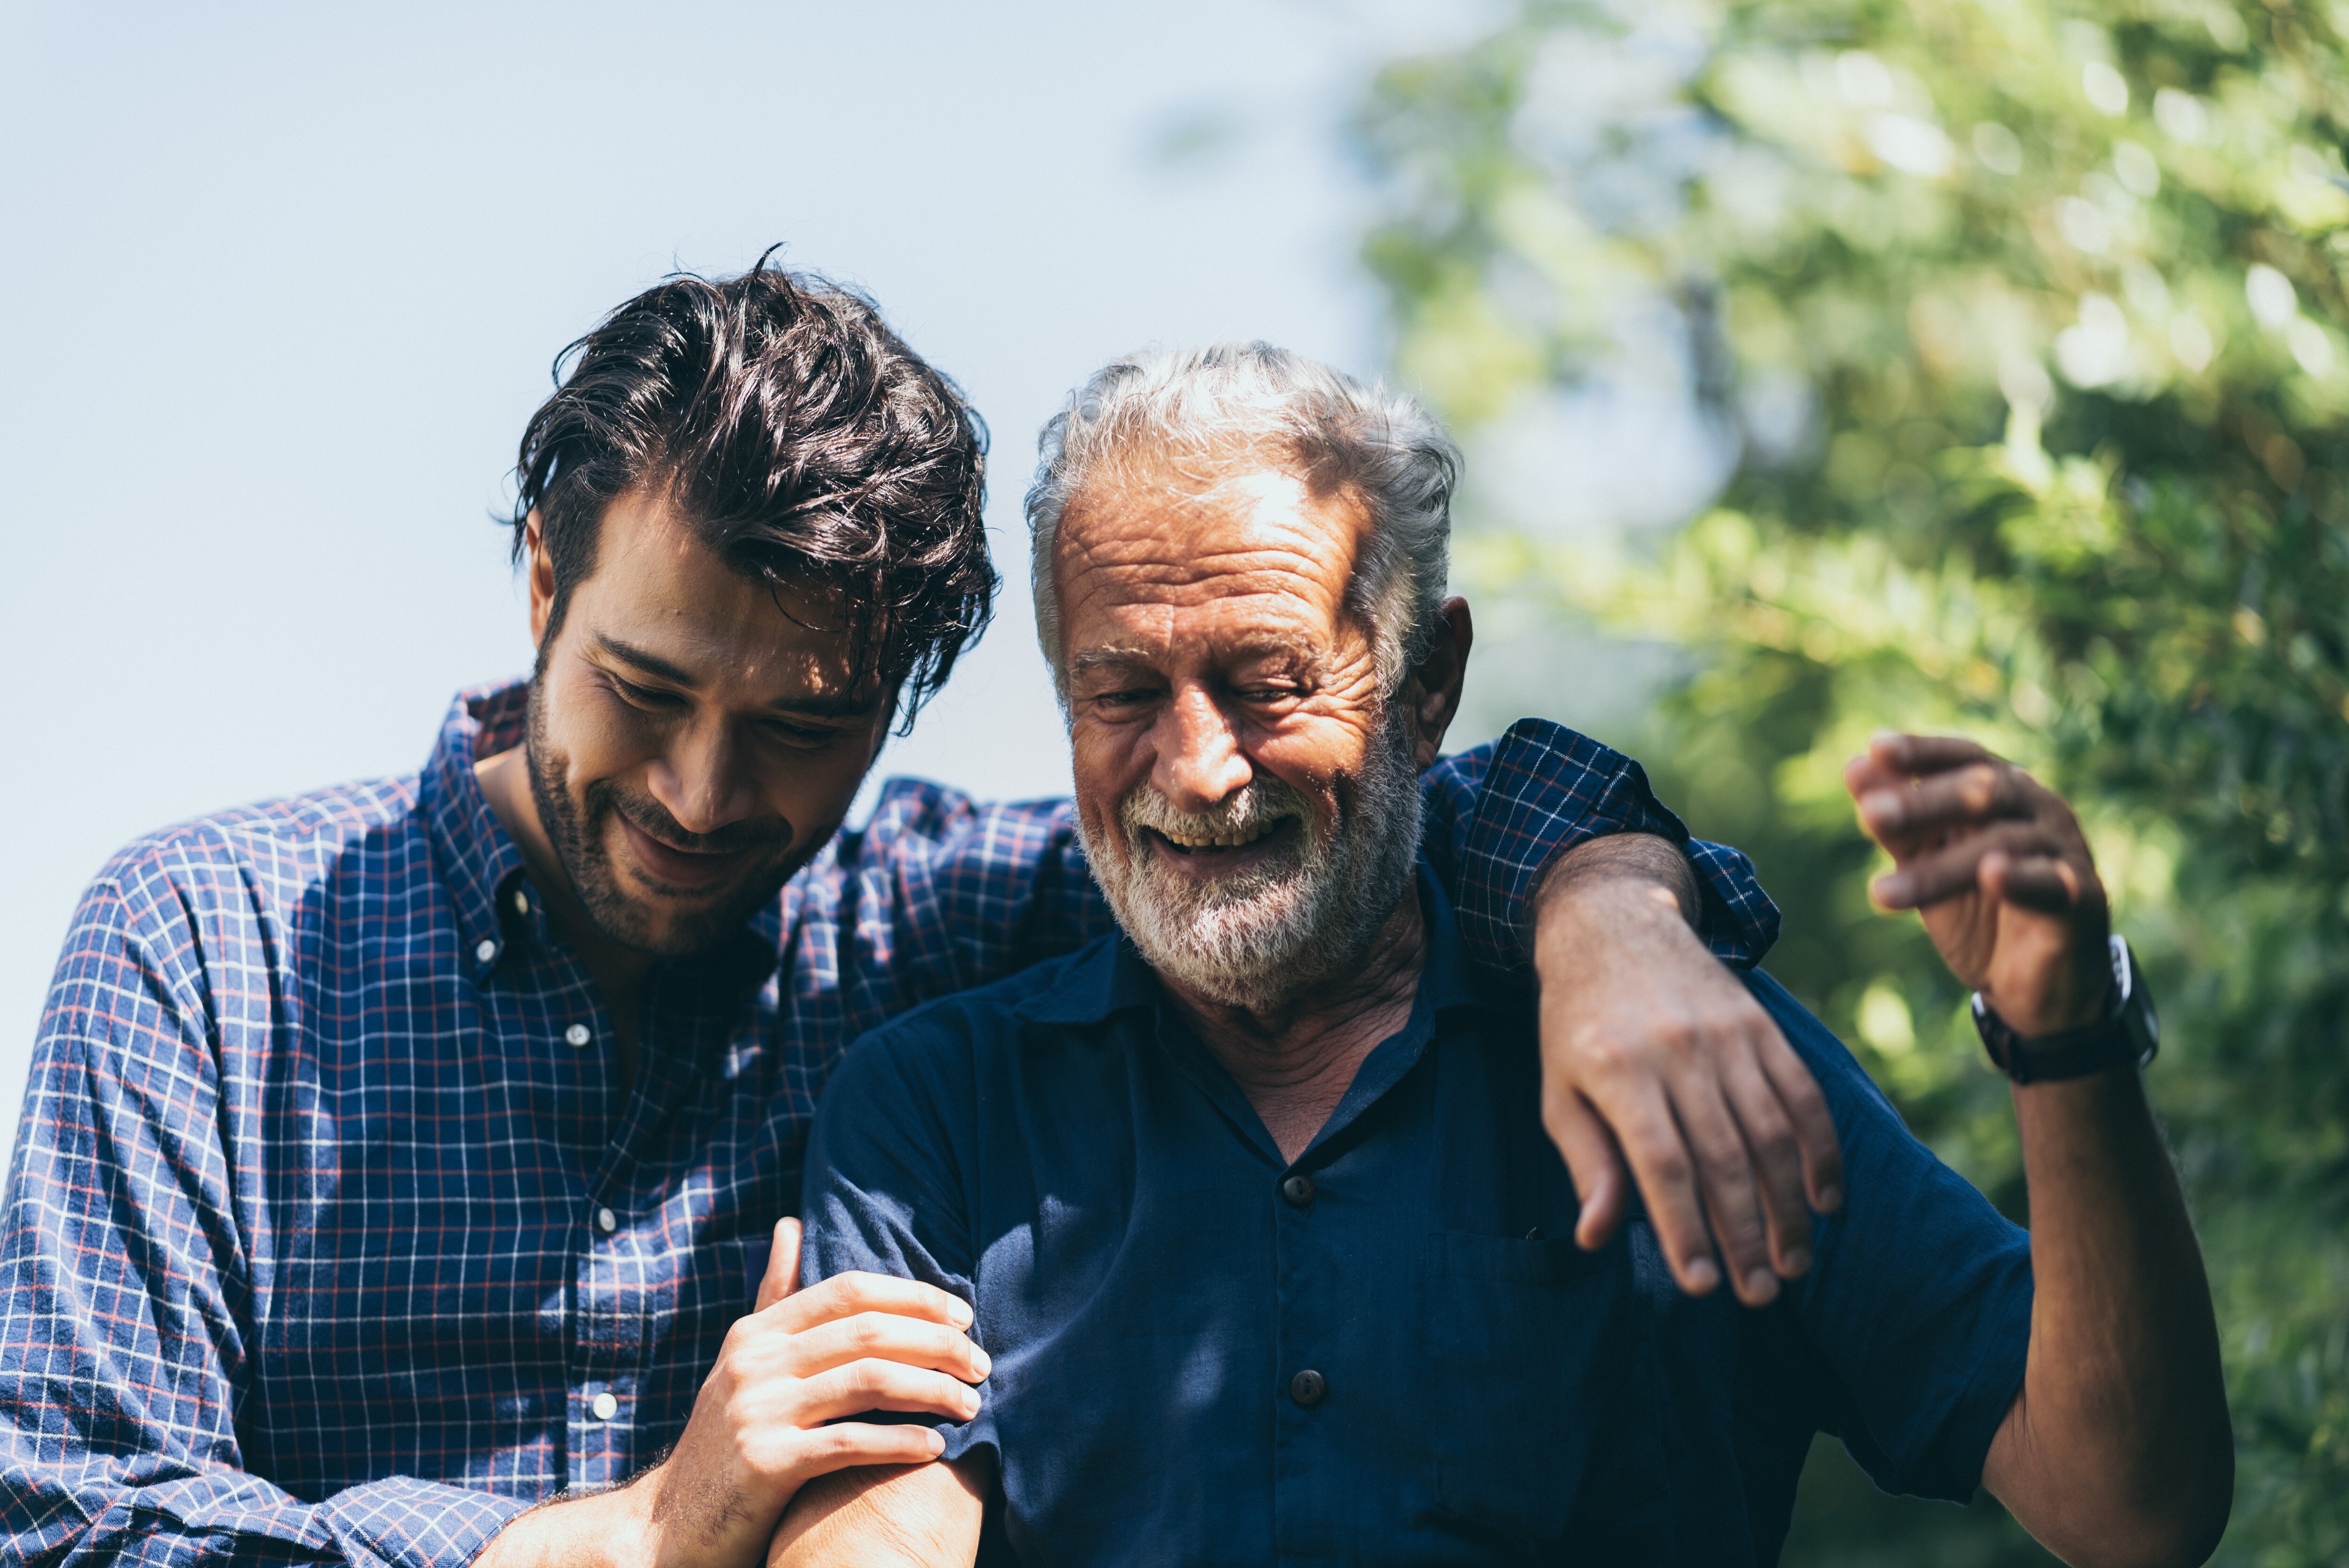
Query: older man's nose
[1199,757]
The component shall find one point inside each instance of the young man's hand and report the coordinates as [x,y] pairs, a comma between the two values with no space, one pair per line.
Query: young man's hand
[1654,1053]
[768,1419]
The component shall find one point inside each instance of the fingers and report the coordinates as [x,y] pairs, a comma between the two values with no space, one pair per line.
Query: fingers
[2045,883]
[1594,1162]
[1911,756]
[1955,869]
[1778,1164]
[1661,1162]
[885,1336]
[1725,1175]
[844,1444]
[845,1295]
[877,1385]
[1899,816]
[781,1277]
[1806,1109]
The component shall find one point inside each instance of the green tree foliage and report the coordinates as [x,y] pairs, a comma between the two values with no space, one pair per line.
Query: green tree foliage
[2024,322]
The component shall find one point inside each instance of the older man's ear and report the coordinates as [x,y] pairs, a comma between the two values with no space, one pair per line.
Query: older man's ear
[1432,696]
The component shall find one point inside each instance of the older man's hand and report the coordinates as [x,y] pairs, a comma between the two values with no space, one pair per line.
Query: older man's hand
[1997,865]
[1654,1053]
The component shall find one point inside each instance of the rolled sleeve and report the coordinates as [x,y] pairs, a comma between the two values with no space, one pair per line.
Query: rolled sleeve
[1546,789]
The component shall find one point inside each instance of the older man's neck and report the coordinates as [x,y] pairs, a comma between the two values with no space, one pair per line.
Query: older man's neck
[1295,1062]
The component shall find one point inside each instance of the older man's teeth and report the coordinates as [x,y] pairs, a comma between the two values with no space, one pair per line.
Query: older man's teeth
[1219,841]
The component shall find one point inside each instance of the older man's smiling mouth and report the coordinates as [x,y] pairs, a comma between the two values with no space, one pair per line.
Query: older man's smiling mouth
[1183,841]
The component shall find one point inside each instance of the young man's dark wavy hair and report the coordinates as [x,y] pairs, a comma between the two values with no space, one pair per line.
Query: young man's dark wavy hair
[806,444]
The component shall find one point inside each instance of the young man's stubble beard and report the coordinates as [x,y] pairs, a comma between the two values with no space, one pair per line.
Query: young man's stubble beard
[576,830]
[1309,914]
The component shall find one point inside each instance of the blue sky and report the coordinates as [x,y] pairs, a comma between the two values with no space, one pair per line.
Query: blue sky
[283,284]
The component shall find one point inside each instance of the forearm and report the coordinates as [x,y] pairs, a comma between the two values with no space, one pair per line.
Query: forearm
[901,1516]
[2118,1449]
[1623,872]
[603,1531]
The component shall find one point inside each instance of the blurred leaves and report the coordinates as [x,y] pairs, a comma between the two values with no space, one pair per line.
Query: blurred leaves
[2026,323]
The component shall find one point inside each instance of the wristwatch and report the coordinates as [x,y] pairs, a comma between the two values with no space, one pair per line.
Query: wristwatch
[2127,1033]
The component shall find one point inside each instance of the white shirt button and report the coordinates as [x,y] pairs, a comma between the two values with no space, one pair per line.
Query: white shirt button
[577,1035]
[605,1407]
[606,1221]
[522,902]
[486,951]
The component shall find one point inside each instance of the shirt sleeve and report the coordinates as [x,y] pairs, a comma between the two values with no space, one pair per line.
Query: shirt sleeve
[885,1189]
[952,893]
[1918,1298]
[123,1312]
[1538,792]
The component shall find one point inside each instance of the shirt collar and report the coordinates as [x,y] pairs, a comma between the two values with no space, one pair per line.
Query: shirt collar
[480,864]
[482,867]
[1112,976]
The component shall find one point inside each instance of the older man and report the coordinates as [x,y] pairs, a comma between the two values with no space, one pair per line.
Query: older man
[1253,1204]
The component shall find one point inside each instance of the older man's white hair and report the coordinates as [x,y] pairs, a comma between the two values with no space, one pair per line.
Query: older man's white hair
[1156,412]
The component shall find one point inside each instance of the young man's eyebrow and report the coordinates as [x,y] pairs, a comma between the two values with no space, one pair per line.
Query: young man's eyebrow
[650,664]
[842,705]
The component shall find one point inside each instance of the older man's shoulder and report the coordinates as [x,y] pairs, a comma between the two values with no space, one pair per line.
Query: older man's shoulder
[1065,989]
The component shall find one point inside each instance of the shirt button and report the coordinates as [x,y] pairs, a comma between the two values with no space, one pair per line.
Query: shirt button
[577,1035]
[486,951]
[605,1407]
[522,902]
[606,1221]
[1297,1189]
[1309,1388]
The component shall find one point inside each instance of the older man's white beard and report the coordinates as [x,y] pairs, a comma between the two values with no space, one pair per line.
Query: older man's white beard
[1259,938]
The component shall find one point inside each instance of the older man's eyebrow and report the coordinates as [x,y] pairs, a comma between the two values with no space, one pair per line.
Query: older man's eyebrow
[1310,655]
[1108,656]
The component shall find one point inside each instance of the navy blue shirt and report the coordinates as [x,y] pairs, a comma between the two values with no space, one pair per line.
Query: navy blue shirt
[1390,1350]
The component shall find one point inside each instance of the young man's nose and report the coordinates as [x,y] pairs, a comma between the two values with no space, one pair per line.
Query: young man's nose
[703,782]
[1199,758]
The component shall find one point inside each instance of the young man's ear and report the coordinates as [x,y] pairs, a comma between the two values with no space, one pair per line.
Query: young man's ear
[540,565]
[1432,695]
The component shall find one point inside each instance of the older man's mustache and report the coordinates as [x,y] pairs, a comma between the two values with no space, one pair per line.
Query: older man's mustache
[1258,809]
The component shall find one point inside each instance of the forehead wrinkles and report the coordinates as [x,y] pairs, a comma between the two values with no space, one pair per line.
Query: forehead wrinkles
[1255,533]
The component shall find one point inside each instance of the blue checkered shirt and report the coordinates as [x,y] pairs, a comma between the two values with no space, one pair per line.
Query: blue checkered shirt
[329,1238]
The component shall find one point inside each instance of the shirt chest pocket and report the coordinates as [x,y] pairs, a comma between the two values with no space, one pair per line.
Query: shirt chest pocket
[1544,1423]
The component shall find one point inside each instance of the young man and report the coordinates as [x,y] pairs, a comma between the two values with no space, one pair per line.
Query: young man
[402,1156]
[1266,1246]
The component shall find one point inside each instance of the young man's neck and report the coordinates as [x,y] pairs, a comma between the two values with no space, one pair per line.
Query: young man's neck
[619,972]
[1295,1060]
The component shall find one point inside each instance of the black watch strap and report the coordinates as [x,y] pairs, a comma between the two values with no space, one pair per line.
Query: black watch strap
[2127,1035]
